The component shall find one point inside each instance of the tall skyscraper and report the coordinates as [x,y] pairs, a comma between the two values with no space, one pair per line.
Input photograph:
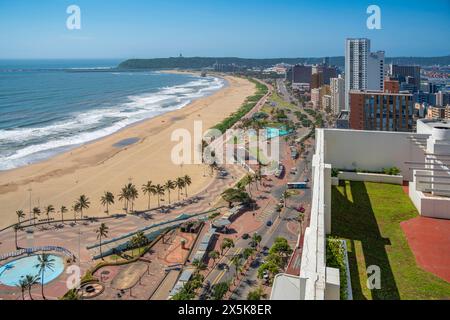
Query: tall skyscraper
[364,70]
[337,89]
[356,58]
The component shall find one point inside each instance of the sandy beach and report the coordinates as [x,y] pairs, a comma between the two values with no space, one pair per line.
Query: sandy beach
[104,165]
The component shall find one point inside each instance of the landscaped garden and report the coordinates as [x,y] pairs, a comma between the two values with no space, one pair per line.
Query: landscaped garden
[368,216]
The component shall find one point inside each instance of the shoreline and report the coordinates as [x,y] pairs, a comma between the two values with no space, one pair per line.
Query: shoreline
[61,179]
[69,148]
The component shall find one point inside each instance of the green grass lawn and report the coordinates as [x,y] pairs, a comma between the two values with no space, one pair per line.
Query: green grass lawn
[368,216]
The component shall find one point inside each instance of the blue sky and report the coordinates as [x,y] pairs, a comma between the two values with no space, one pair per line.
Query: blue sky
[242,28]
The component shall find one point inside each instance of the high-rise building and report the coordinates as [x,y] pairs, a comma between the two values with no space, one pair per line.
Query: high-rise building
[325,73]
[301,74]
[375,71]
[326,103]
[356,59]
[316,79]
[409,76]
[364,70]
[337,92]
[375,110]
[442,98]
[315,98]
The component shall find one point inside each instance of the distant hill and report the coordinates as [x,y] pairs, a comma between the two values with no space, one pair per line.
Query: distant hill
[205,62]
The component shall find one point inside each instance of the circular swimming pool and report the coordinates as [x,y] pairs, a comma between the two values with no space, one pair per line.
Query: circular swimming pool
[12,272]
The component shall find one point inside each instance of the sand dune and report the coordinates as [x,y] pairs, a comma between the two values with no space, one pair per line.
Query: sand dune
[100,166]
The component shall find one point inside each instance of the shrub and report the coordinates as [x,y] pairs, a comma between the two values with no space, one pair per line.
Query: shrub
[335,259]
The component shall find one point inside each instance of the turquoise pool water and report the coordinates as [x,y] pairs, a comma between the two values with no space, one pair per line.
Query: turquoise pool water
[274,132]
[12,272]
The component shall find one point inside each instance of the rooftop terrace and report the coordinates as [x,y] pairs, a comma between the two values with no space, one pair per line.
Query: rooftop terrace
[369,215]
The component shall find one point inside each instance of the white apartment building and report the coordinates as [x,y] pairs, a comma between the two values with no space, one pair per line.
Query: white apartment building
[356,58]
[337,88]
[363,70]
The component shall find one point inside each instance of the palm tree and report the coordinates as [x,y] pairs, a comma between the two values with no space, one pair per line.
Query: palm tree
[138,240]
[106,200]
[63,210]
[199,265]
[226,243]
[76,209]
[247,253]
[125,196]
[133,194]
[169,185]
[249,179]
[36,212]
[49,209]
[102,232]
[286,195]
[159,191]
[214,255]
[16,228]
[256,239]
[237,263]
[44,263]
[22,285]
[149,190]
[187,183]
[301,218]
[180,184]
[31,281]
[20,215]
[83,203]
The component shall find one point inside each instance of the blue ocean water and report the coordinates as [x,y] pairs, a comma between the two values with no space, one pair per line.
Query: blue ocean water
[47,107]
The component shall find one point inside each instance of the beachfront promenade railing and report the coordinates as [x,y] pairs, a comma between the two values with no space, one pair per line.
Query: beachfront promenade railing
[32,250]
[150,232]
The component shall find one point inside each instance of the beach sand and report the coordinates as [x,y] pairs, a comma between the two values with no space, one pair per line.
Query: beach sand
[101,166]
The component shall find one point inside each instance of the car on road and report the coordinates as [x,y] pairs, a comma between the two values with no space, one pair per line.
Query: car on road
[223,266]
[245,236]
[294,171]
[269,223]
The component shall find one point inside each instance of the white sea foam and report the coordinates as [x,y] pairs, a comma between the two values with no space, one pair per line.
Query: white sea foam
[42,142]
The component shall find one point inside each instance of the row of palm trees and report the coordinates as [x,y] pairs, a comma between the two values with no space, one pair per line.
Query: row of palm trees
[129,193]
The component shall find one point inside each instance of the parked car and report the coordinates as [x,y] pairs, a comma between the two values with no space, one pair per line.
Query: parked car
[301,210]
[280,171]
[245,236]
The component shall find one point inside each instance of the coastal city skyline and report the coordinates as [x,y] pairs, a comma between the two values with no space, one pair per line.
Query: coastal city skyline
[37,30]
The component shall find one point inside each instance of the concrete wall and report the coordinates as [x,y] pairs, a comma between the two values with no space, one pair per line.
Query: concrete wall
[371,177]
[371,150]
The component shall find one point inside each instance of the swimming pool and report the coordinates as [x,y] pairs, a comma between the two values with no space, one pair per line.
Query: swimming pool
[275,132]
[12,272]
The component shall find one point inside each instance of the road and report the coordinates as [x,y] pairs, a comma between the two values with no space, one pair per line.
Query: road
[284,225]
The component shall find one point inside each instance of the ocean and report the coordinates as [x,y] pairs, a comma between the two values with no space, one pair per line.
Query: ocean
[48,107]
